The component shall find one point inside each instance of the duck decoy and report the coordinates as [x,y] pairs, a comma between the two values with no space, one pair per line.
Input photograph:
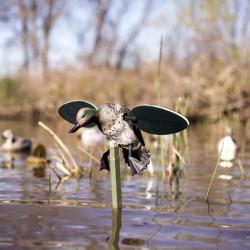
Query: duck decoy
[13,143]
[90,137]
[155,142]
[38,159]
[122,125]
[227,147]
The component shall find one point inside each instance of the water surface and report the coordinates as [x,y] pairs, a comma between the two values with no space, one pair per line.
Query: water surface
[155,214]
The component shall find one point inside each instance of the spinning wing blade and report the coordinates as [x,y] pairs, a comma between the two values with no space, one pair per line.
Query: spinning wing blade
[68,110]
[157,120]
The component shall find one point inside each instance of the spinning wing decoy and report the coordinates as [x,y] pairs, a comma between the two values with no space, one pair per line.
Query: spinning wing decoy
[123,126]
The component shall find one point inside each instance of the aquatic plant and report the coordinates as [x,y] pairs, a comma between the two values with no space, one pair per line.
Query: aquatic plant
[214,174]
[61,160]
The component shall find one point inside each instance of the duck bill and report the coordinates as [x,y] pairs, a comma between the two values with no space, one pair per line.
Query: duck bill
[75,128]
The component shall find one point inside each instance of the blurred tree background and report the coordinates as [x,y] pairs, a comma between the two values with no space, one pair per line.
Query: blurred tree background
[107,50]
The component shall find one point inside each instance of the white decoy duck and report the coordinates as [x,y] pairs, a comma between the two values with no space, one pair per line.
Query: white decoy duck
[165,139]
[91,137]
[227,147]
[13,143]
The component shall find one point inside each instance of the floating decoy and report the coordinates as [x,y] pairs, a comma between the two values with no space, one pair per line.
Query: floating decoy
[13,143]
[122,125]
[227,147]
[165,139]
[38,157]
[90,137]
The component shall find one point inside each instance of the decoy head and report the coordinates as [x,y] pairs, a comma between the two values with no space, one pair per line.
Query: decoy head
[229,131]
[83,117]
[7,134]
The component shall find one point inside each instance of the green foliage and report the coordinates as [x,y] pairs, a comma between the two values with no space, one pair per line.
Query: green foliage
[10,92]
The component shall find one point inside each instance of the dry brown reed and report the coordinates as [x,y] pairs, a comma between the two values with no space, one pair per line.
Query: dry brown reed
[209,91]
[64,161]
[60,144]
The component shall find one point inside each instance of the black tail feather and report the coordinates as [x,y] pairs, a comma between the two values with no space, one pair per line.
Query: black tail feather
[136,166]
[105,161]
[137,158]
[125,155]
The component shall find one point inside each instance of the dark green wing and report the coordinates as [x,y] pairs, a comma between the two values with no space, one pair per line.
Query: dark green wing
[68,110]
[157,120]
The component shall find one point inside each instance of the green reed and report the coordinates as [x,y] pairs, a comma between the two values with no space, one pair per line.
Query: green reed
[180,149]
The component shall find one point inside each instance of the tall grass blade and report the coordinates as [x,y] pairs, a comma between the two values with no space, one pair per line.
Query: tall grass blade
[214,173]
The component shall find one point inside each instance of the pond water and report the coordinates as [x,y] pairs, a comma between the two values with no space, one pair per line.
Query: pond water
[155,214]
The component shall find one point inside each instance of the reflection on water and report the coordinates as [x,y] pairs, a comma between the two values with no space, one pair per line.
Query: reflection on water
[11,159]
[155,215]
[116,227]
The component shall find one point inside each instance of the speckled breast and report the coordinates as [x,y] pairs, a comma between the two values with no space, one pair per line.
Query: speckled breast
[113,125]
